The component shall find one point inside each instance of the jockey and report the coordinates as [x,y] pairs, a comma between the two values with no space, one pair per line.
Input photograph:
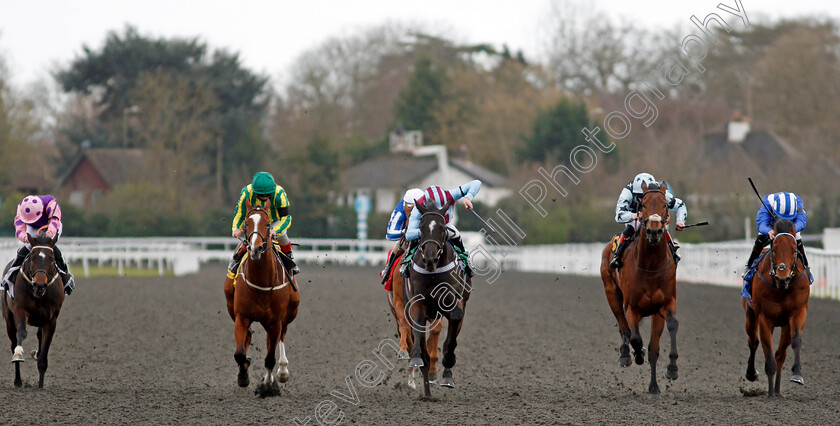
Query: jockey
[785,205]
[627,212]
[397,226]
[33,213]
[264,192]
[467,191]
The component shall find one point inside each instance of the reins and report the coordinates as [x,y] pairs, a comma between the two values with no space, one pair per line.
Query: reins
[266,246]
[31,280]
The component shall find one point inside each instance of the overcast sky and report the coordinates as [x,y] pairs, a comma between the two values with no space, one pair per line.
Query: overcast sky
[37,36]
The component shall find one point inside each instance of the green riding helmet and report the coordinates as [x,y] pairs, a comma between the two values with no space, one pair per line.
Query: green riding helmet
[263,183]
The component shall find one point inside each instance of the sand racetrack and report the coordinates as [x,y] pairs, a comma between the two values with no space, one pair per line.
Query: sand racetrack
[535,349]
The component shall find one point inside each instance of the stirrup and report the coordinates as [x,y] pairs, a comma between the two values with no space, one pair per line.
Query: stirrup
[615,263]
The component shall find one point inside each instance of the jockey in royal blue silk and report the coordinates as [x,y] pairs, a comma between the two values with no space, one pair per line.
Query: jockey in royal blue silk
[397,227]
[627,212]
[468,191]
[785,205]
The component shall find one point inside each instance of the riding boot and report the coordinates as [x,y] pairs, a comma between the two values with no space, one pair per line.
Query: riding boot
[9,279]
[385,272]
[674,247]
[801,248]
[64,271]
[462,253]
[409,253]
[234,261]
[760,242]
[289,262]
[623,242]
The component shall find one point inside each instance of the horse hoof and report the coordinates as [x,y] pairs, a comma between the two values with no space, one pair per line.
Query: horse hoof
[283,376]
[416,362]
[671,374]
[18,383]
[402,355]
[797,379]
[447,382]
[34,354]
[752,376]
[653,389]
[640,358]
[17,356]
[432,377]
[624,362]
[242,380]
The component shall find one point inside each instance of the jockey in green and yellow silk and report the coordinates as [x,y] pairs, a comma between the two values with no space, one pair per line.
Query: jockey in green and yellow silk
[264,192]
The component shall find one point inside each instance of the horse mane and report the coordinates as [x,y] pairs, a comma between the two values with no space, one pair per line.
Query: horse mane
[41,239]
[654,186]
[783,226]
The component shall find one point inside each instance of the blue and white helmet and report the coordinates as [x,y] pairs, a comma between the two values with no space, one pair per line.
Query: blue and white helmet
[783,204]
[640,178]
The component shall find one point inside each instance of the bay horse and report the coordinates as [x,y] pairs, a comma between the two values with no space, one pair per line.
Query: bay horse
[646,286]
[39,295]
[436,289]
[396,301]
[264,292]
[779,299]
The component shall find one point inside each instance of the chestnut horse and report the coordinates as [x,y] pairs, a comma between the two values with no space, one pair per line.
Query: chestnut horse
[436,289]
[646,286]
[396,300]
[779,299]
[39,295]
[263,291]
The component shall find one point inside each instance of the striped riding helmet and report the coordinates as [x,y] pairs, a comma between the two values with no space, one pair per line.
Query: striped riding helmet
[783,204]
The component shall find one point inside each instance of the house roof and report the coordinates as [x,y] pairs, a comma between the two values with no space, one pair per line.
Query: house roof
[115,165]
[400,171]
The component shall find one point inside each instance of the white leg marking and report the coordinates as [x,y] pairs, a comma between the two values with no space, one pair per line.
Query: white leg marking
[283,368]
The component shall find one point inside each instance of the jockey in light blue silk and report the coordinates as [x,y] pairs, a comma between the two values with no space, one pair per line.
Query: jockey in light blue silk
[397,226]
[467,191]
[785,205]
[627,212]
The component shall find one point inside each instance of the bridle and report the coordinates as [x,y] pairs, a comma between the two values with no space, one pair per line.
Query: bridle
[31,279]
[435,242]
[781,267]
[257,232]
[653,216]
[264,247]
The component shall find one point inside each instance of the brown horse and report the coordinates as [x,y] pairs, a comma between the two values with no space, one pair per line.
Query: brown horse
[396,300]
[436,290]
[263,291]
[779,299]
[39,295]
[646,286]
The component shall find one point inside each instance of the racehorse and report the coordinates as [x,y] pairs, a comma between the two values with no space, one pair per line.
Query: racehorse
[396,300]
[779,299]
[436,289]
[38,298]
[647,286]
[262,291]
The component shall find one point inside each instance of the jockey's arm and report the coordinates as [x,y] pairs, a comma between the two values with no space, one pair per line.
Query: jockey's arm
[469,190]
[280,205]
[763,221]
[800,221]
[239,212]
[622,207]
[682,211]
[55,218]
[396,230]
[20,229]
[412,232]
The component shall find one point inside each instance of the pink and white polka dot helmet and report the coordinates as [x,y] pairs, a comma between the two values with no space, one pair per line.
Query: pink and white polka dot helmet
[30,209]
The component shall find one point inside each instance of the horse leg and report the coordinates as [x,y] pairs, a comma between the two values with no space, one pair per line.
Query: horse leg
[797,324]
[633,320]
[229,291]
[766,335]
[11,329]
[272,336]
[45,335]
[657,324]
[242,333]
[283,369]
[403,328]
[616,300]
[781,354]
[752,339]
[672,372]
[449,352]
[432,348]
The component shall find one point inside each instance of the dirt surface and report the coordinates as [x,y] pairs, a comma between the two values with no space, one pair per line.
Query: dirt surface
[535,349]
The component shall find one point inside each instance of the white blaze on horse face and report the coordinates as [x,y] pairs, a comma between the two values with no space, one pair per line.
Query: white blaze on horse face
[256,218]
[655,218]
[432,227]
[42,255]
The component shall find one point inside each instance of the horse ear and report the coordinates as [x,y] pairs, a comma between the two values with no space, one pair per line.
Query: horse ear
[664,186]
[420,207]
[54,240]
[31,239]
[644,186]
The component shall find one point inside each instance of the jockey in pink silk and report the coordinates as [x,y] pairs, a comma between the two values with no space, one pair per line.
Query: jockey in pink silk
[33,213]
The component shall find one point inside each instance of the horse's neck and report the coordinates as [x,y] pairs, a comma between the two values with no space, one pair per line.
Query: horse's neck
[266,265]
[651,257]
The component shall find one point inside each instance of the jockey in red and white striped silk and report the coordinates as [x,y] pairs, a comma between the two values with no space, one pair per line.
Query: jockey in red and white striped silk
[468,191]
[33,213]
